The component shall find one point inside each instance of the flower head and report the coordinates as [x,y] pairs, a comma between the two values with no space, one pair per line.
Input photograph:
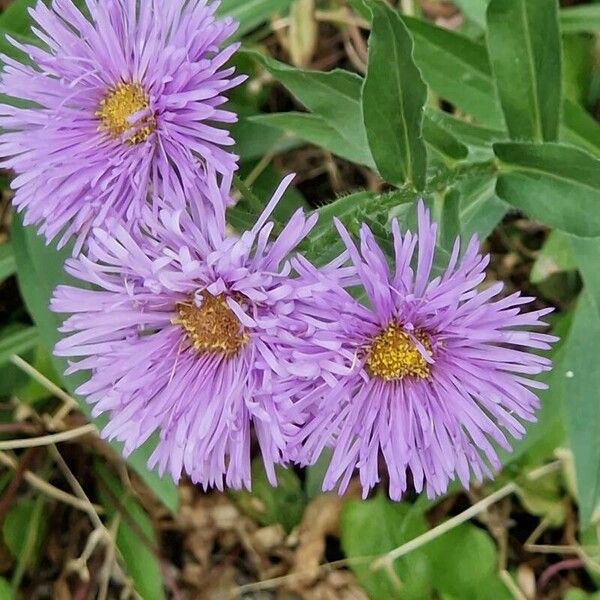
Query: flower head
[188,332]
[117,105]
[428,374]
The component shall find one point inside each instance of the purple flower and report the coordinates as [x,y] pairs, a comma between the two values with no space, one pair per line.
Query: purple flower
[116,107]
[188,332]
[429,375]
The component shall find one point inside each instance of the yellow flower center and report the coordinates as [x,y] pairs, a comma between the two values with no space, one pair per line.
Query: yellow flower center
[119,105]
[212,326]
[393,355]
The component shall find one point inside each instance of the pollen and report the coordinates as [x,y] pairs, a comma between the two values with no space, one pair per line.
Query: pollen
[119,105]
[393,355]
[211,326]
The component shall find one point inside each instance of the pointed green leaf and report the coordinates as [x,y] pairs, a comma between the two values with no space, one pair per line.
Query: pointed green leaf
[394,95]
[525,53]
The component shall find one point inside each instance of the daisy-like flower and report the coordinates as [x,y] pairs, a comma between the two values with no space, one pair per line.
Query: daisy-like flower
[116,105]
[429,374]
[187,332]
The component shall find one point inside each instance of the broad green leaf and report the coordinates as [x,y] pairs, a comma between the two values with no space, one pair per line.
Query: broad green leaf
[582,398]
[136,539]
[39,271]
[579,19]
[556,256]
[556,184]
[393,98]
[268,505]
[457,69]
[334,96]
[469,574]
[525,52]
[17,342]
[375,527]
[252,13]
[315,130]
[7,262]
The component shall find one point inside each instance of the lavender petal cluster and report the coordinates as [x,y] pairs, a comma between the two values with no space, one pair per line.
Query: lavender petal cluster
[217,342]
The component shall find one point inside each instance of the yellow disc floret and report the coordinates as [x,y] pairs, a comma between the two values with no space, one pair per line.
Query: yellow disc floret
[394,355]
[119,105]
[211,326]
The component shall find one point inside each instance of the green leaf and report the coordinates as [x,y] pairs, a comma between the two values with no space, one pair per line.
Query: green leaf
[582,392]
[525,52]
[334,96]
[579,19]
[314,130]
[556,184]
[457,69]
[555,257]
[39,271]
[15,18]
[268,505]
[393,98]
[375,527]
[136,538]
[443,142]
[472,135]
[252,13]
[18,342]
[471,573]
[7,262]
